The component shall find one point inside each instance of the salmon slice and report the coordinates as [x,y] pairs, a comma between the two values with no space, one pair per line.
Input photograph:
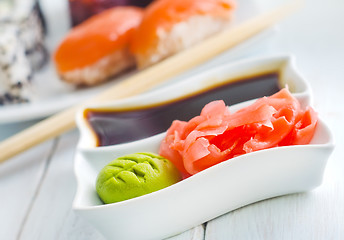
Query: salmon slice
[98,47]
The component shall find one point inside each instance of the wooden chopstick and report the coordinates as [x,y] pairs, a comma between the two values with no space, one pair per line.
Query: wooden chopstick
[146,79]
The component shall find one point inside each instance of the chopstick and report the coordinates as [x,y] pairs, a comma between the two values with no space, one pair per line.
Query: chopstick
[146,79]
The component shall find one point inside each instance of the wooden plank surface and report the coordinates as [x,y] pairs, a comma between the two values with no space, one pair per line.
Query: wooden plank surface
[19,181]
[37,187]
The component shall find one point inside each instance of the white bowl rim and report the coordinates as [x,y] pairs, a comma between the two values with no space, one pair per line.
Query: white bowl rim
[138,100]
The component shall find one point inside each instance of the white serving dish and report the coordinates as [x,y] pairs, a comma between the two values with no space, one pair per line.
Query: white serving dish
[217,190]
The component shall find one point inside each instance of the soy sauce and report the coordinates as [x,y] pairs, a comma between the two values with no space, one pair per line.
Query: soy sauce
[114,127]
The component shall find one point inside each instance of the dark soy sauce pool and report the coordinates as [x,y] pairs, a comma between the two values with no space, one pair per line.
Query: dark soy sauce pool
[113,127]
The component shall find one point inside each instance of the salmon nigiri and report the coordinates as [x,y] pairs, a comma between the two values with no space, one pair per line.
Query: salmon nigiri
[171,26]
[98,48]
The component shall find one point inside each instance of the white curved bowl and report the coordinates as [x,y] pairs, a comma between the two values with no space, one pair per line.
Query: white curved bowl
[219,189]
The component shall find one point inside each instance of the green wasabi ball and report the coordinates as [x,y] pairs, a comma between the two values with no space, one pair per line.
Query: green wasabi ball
[134,175]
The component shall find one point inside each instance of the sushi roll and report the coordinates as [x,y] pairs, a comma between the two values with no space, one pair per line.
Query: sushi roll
[98,48]
[22,49]
[15,69]
[171,26]
[29,21]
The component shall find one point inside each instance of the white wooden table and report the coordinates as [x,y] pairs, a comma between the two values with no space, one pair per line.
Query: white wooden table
[38,186]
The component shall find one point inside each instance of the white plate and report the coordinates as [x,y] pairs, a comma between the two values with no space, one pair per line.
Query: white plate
[52,95]
[219,189]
